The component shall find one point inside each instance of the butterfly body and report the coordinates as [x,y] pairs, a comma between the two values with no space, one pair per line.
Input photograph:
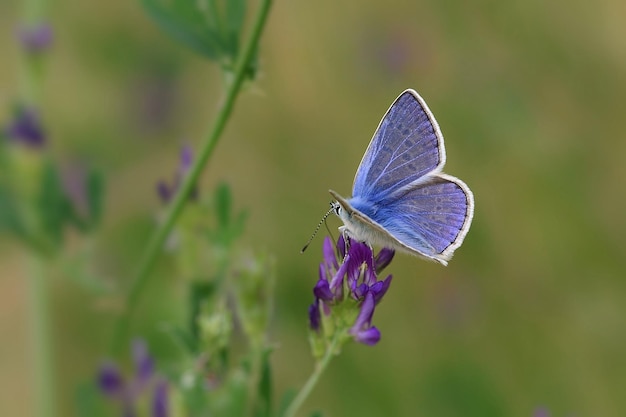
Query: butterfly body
[400,197]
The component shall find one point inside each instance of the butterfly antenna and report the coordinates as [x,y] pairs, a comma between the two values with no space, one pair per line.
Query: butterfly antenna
[317,229]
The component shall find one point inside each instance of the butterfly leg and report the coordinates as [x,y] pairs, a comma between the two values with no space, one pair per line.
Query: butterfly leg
[371,252]
[346,239]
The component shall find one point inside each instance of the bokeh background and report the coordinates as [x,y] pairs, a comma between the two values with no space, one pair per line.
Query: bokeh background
[530,96]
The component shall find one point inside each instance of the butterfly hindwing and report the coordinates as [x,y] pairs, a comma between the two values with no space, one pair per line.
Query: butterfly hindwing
[430,219]
[406,146]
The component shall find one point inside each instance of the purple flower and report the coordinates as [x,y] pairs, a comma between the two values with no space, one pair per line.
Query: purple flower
[26,128]
[144,364]
[167,191]
[160,401]
[110,380]
[127,392]
[322,290]
[35,39]
[357,271]
[383,259]
[541,412]
[363,331]
[315,316]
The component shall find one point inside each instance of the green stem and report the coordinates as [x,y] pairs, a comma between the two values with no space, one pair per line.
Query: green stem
[320,366]
[30,66]
[30,76]
[155,244]
[41,341]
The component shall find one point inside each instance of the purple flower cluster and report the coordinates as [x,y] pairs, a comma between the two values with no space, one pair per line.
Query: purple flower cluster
[26,129]
[128,392]
[356,278]
[166,191]
[35,39]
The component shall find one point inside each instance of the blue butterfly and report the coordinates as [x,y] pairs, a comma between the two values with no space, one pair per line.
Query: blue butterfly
[401,199]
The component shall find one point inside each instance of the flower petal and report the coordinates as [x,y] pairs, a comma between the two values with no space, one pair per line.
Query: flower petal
[336,282]
[144,364]
[360,291]
[26,129]
[314,316]
[328,250]
[110,380]
[164,191]
[357,255]
[35,39]
[186,159]
[369,336]
[160,403]
[383,259]
[322,290]
[364,319]
[380,288]
[342,245]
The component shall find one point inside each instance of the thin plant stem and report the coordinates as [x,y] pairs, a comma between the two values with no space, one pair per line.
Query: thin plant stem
[155,244]
[30,76]
[41,340]
[30,70]
[320,367]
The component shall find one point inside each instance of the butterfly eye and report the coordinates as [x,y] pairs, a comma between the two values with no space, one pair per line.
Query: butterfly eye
[336,207]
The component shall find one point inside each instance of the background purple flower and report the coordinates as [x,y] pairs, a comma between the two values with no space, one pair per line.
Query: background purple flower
[167,191]
[26,129]
[541,412]
[35,39]
[127,392]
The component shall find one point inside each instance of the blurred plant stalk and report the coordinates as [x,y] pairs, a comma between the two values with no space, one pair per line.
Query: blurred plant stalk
[157,240]
[31,77]
[41,339]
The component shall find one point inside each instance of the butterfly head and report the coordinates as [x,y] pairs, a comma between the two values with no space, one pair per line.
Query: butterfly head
[340,206]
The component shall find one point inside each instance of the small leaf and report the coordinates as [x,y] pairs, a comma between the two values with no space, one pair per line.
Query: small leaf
[10,219]
[182,338]
[285,401]
[223,202]
[235,14]
[264,398]
[199,292]
[185,22]
[226,230]
[237,388]
[53,206]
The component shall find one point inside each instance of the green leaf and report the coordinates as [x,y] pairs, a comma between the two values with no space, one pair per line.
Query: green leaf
[226,230]
[10,220]
[235,15]
[264,398]
[223,203]
[199,292]
[53,207]
[187,23]
[182,338]
[317,413]
[237,388]
[285,401]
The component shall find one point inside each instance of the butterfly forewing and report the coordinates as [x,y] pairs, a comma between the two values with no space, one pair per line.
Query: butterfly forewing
[406,146]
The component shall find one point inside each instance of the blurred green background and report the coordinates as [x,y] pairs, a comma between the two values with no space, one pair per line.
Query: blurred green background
[530,96]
